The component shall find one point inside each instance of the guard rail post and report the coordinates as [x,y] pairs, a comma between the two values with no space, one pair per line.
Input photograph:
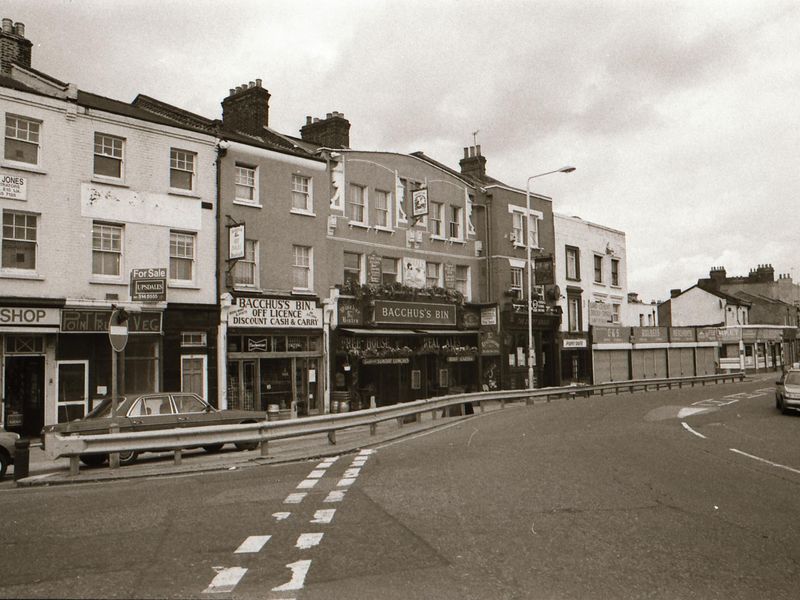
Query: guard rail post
[264,447]
[113,457]
[74,465]
[177,456]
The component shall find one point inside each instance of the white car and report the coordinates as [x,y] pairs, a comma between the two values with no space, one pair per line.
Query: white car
[787,391]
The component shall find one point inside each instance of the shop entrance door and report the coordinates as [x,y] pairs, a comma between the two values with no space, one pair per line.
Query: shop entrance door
[24,394]
[72,385]
[241,384]
[306,378]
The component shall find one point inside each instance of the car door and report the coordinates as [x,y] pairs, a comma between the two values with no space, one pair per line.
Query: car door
[193,411]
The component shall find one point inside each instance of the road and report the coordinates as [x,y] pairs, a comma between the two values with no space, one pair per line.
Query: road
[689,493]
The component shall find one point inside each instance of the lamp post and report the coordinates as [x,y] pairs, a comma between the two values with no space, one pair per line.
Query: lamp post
[531,281]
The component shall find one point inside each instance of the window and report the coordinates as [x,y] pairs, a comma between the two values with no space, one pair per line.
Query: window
[357,203]
[301,270]
[245,271]
[352,267]
[181,256]
[598,268]
[574,313]
[435,225]
[462,280]
[193,339]
[517,278]
[433,274]
[181,169]
[382,218]
[389,269]
[455,222]
[615,313]
[533,232]
[108,155]
[22,140]
[517,228]
[615,271]
[301,193]
[641,321]
[245,179]
[19,240]
[573,264]
[106,249]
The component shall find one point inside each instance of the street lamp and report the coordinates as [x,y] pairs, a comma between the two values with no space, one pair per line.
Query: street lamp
[531,282]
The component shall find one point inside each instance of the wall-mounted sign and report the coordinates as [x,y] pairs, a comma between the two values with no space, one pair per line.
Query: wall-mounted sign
[611,335]
[13,187]
[414,272]
[349,313]
[414,313]
[543,270]
[419,203]
[681,334]
[449,276]
[649,334]
[236,242]
[490,343]
[489,316]
[149,285]
[573,343]
[96,321]
[374,268]
[599,313]
[29,316]
[274,313]
[471,318]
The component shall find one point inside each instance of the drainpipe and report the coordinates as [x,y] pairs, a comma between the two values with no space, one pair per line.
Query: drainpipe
[225,301]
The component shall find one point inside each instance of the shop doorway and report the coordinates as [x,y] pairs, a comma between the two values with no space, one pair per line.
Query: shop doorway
[72,385]
[286,382]
[24,394]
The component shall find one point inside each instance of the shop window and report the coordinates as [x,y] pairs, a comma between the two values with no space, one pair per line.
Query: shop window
[108,156]
[22,140]
[352,268]
[389,270]
[141,365]
[297,343]
[181,169]
[19,240]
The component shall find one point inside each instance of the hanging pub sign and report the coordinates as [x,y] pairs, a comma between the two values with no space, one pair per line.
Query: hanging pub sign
[374,271]
[543,270]
[236,242]
[419,203]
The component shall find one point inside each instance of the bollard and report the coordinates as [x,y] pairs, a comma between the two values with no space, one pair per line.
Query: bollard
[264,448]
[22,458]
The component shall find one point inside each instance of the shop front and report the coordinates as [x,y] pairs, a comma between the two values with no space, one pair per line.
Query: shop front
[576,358]
[27,354]
[546,355]
[274,356]
[390,351]
[84,355]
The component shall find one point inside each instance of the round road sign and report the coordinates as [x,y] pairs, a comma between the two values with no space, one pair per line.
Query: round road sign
[118,332]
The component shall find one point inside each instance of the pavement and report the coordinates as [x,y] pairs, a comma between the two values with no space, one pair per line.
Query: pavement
[45,472]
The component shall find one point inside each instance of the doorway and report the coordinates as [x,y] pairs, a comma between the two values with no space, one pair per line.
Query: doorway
[24,394]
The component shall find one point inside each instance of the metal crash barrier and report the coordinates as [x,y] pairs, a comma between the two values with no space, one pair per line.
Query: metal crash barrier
[72,446]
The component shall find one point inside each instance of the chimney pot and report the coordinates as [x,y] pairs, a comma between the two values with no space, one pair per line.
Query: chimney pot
[258,83]
[19,29]
[466,152]
[316,119]
[478,150]
[251,84]
[328,116]
[308,120]
[674,293]
[8,26]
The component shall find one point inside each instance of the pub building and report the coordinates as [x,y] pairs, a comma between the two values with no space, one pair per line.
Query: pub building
[274,355]
[546,319]
[389,350]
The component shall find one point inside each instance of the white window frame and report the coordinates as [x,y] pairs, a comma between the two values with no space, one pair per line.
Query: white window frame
[397,268]
[438,269]
[308,268]
[308,193]
[615,313]
[360,266]
[30,136]
[385,210]
[192,259]
[595,278]
[105,154]
[517,281]
[179,162]
[534,216]
[435,222]
[238,172]
[255,266]
[573,313]
[204,367]
[455,220]
[467,291]
[120,252]
[23,228]
[575,275]
[194,339]
[364,206]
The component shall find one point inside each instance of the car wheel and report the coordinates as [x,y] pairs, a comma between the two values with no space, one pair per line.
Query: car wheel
[93,460]
[246,445]
[213,448]
[5,459]
[128,458]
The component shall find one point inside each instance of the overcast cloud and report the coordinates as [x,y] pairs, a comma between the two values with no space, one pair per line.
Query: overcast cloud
[681,117]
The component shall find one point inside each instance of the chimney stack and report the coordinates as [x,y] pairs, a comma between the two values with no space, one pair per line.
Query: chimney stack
[246,109]
[14,48]
[473,164]
[674,293]
[331,132]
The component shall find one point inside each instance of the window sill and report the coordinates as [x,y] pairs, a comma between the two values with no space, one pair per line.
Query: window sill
[302,292]
[438,238]
[457,241]
[573,279]
[17,166]
[183,285]
[184,193]
[14,274]
[114,182]
[302,213]
[616,287]
[246,203]
[359,224]
[384,229]
[115,281]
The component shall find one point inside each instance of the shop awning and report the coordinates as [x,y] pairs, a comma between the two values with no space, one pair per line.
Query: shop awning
[379,331]
[446,332]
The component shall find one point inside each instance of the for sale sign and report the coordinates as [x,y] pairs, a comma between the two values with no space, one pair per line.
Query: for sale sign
[149,285]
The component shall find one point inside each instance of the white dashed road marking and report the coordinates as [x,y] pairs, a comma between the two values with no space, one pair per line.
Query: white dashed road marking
[307,484]
[295,498]
[281,516]
[352,473]
[345,482]
[299,572]
[225,580]
[324,515]
[316,474]
[308,540]
[253,544]
[335,496]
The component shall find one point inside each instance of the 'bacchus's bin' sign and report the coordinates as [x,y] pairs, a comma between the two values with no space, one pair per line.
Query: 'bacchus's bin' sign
[414,313]
[274,312]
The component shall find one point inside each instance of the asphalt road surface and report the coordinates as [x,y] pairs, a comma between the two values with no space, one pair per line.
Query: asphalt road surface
[691,493]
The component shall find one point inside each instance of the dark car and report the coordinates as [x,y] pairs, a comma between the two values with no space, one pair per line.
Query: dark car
[787,391]
[162,410]
[7,440]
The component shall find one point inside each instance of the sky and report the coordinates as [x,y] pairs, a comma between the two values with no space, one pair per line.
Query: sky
[681,118]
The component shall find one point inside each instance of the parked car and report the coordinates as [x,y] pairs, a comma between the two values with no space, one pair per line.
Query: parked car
[163,410]
[787,391]
[7,440]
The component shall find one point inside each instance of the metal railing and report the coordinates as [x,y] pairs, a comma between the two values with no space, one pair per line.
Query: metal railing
[178,439]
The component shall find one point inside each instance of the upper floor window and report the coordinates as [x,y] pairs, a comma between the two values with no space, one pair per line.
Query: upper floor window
[245,180]
[193,339]
[19,240]
[573,263]
[22,140]
[435,225]
[455,222]
[382,216]
[108,155]
[302,275]
[389,269]
[518,227]
[106,249]
[433,274]
[181,169]
[574,313]
[598,268]
[352,267]
[462,280]
[245,271]
[357,203]
[615,271]
[181,256]
[301,193]
[615,313]
[517,282]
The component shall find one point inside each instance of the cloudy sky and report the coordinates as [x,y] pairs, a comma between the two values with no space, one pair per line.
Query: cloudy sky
[682,118]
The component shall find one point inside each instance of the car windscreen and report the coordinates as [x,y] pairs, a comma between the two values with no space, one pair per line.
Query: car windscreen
[792,378]
[103,410]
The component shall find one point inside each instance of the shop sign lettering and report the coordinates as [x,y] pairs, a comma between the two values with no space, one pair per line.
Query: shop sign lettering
[96,321]
[681,334]
[349,313]
[13,187]
[274,312]
[574,343]
[610,335]
[649,334]
[490,343]
[29,316]
[414,313]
